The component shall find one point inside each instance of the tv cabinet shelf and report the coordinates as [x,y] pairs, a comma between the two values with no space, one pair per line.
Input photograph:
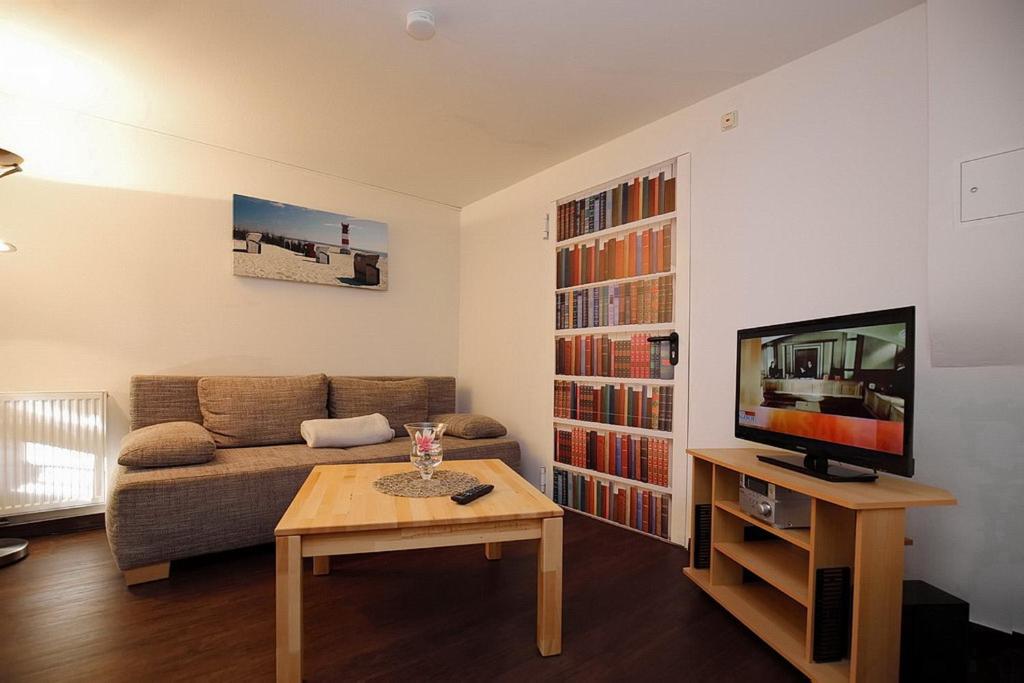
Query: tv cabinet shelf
[777,562]
[780,622]
[854,525]
[801,538]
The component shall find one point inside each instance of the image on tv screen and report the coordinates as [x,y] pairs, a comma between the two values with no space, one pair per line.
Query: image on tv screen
[846,386]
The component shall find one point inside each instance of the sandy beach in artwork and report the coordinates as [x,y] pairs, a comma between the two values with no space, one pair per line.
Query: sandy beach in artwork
[279,263]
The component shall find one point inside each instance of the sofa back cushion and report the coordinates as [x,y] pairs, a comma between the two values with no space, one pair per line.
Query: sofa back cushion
[400,402]
[175,398]
[156,399]
[260,411]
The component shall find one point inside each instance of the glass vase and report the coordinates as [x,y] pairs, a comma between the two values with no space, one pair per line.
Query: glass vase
[427,452]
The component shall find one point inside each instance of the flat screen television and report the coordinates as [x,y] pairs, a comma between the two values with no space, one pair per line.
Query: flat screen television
[838,388]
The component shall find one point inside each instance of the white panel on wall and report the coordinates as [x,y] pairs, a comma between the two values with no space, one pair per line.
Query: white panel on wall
[992,186]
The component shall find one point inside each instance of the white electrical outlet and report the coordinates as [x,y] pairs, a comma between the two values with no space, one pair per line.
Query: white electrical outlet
[543,479]
[730,120]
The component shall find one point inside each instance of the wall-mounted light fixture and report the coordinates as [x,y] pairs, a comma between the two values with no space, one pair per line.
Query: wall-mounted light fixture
[9,163]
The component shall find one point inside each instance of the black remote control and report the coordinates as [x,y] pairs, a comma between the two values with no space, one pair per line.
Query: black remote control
[472,494]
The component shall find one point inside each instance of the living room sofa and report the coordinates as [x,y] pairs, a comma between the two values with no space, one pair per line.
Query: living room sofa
[159,514]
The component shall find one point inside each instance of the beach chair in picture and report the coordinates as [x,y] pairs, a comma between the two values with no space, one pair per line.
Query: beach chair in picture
[253,243]
[365,269]
[323,255]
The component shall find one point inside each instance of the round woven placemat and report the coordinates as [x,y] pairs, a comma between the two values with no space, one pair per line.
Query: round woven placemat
[412,485]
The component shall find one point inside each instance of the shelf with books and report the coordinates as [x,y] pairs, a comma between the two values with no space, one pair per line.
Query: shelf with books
[618,229]
[625,330]
[644,194]
[641,459]
[634,507]
[619,403]
[641,251]
[615,428]
[619,280]
[641,302]
[619,354]
[616,404]
[648,381]
[611,477]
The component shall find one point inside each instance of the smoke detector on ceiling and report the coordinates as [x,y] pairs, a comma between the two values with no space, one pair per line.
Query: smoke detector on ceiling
[419,24]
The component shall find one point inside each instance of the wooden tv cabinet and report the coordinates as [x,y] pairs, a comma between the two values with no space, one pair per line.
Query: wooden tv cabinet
[856,525]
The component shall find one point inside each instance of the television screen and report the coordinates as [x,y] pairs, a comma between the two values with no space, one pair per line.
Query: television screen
[843,384]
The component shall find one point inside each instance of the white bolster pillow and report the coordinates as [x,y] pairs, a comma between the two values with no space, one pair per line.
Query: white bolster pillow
[345,432]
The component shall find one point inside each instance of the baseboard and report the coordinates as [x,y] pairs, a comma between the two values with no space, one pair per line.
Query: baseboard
[48,527]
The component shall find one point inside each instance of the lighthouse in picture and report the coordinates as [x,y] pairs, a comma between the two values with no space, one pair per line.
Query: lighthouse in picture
[344,239]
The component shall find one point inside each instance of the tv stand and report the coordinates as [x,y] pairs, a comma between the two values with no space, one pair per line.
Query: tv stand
[770,584]
[817,465]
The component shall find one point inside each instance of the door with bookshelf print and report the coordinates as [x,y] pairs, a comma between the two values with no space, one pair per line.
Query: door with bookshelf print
[619,404]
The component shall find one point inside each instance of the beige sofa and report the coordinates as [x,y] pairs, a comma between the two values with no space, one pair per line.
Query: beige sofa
[159,514]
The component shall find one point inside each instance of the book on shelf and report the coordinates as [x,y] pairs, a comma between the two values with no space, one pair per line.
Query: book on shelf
[627,303]
[626,202]
[640,252]
[631,506]
[612,355]
[645,459]
[646,407]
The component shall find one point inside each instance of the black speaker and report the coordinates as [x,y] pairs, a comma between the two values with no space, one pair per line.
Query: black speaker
[934,639]
[831,614]
[702,536]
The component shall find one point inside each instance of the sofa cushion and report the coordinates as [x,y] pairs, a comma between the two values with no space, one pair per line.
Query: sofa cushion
[400,402]
[237,499]
[470,425]
[259,411]
[166,445]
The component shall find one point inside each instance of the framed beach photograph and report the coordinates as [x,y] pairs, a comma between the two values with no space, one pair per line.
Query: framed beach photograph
[282,241]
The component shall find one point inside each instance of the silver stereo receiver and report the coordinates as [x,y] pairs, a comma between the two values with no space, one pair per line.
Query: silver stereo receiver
[780,507]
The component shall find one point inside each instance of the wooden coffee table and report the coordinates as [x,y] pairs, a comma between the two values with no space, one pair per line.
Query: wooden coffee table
[338,512]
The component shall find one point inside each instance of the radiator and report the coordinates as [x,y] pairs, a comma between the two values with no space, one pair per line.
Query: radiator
[52,451]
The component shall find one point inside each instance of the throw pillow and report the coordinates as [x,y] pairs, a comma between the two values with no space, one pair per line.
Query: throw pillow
[260,411]
[470,426]
[166,445]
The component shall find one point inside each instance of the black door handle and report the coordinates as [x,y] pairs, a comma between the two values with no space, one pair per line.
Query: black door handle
[673,346]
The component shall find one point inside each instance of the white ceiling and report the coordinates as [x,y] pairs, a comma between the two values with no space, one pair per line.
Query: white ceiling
[505,89]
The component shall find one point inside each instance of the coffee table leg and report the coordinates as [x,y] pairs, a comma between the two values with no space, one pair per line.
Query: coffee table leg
[492,551]
[549,588]
[322,565]
[289,609]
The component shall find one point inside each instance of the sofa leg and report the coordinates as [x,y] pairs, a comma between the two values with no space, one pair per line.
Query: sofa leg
[150,572]
[321,565]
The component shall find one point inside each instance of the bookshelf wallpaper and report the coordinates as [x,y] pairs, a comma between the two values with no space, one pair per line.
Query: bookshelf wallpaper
[615,286]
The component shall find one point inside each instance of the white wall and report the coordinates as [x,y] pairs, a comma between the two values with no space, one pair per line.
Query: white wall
[974,437]
[124,266]
[976,108]
[824,182]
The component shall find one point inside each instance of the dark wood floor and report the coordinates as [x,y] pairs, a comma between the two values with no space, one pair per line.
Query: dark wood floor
[421,615]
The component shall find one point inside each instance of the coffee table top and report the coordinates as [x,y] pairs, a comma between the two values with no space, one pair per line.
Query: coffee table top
[338,498]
